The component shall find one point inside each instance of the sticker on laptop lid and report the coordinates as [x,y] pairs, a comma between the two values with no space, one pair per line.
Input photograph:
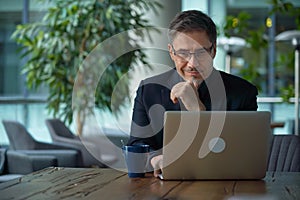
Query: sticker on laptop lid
[216,145]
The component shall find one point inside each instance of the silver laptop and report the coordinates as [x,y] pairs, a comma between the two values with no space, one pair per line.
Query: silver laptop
[215,145]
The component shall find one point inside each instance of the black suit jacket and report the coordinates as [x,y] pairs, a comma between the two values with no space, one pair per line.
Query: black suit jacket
[220,91]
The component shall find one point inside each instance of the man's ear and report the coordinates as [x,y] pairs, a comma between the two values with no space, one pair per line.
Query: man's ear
[171,51]
[214,51]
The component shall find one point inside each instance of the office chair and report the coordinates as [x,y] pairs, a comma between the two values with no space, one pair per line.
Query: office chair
[21,140]
[4,172]
[59,131]
[284,153]
[90,149]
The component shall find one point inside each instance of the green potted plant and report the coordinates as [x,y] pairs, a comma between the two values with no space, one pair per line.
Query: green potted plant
[70,30]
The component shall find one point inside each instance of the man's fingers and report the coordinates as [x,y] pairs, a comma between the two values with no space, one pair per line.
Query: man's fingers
[156,163]
[173,97]
[179,89]
[194,83]
[156,172]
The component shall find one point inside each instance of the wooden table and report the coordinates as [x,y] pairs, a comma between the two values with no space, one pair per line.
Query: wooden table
[92,183]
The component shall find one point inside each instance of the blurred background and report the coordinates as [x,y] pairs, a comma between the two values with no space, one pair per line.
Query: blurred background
[249,46]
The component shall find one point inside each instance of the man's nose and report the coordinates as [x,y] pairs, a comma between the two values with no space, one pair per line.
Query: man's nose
[193,61]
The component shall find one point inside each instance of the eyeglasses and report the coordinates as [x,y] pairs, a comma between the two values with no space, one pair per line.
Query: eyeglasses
[186,55]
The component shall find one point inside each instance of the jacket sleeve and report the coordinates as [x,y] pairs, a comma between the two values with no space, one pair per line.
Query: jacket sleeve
[250,102]
[141,131]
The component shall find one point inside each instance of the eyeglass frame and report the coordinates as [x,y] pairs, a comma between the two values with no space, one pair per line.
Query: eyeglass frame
[208,50]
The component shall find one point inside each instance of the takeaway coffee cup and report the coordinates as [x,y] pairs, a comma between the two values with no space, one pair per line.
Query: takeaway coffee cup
[136,157]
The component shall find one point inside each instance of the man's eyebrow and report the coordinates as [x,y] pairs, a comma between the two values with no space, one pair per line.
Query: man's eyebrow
[201,49]
[183,49]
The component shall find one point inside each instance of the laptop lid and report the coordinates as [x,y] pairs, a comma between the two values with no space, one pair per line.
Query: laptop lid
[215,144]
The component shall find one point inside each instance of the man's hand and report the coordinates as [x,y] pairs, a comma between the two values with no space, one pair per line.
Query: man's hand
[188,94]
[157,164]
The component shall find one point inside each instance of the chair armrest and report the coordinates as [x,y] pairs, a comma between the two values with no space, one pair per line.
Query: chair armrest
[22,163]
[55,145]
[65,158]
[77,143]
[91,153]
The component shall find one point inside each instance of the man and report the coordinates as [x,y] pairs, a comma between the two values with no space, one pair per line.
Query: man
[193,85]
